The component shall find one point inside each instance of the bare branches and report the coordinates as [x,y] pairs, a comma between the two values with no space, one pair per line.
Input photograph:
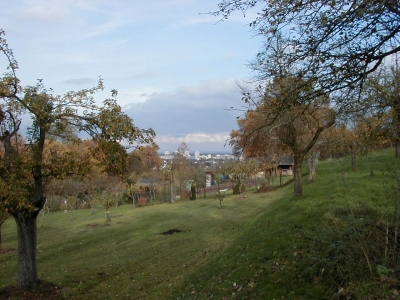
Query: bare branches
[336,44]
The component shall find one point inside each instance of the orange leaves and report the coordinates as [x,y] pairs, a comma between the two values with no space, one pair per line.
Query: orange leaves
[61,160]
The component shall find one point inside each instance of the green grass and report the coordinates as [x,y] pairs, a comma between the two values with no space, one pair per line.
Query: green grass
[263,246]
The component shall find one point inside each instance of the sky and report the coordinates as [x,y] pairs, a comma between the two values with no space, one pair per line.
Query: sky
[175,67]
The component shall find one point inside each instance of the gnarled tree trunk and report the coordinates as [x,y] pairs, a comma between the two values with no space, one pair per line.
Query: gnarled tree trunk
[26,229]
[312,163]
[298,186]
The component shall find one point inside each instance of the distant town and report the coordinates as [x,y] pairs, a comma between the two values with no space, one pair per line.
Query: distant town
[198,156]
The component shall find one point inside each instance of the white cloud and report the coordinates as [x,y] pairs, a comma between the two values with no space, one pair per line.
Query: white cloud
[198,115]
[164,57]
[196,141]
[194,138]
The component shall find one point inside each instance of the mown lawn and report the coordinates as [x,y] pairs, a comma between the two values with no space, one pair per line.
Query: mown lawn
[262,246]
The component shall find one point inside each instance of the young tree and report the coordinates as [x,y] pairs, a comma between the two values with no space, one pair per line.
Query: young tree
[240,171]
[183,148]
[199,177]
[130,181]
[25,172]
[180,166]
[219,170]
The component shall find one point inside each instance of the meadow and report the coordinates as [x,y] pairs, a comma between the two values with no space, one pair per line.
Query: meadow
[333,243]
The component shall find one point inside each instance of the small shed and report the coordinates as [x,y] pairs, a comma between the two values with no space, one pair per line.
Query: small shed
[286,165]
[278,166]
[209,178]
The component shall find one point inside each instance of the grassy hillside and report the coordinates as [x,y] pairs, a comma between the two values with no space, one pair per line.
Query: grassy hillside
[327,245]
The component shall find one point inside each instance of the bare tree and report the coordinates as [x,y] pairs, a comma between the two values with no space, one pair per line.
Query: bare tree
[335,44]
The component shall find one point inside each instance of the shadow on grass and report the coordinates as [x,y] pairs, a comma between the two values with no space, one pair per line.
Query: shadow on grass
[44,290]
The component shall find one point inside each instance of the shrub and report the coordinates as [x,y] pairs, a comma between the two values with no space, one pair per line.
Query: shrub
[265,187]
[185,195]
[142,202]
[236,189]
[54,202]
[354,244]
[193,192]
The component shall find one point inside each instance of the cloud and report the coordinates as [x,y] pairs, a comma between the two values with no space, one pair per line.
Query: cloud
[204,142]
[194,138]
[198,114]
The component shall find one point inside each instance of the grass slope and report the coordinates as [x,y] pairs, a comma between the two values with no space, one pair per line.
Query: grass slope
[325,245]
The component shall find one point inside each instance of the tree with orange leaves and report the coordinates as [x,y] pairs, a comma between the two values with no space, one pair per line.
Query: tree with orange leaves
[144,159]
[283,116]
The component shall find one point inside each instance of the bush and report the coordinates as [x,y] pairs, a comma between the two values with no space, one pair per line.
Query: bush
[193,192]
[54,202]
[236,189]
[265,187]
[352,246]
[185,195]
[142,202]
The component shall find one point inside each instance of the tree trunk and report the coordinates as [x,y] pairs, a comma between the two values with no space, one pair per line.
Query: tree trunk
[3,217]
[298,186]
[312,163]
[398,220]
[353,159]
[397,108]
[172,189]
[108,218]
[372,164]
[26,229]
